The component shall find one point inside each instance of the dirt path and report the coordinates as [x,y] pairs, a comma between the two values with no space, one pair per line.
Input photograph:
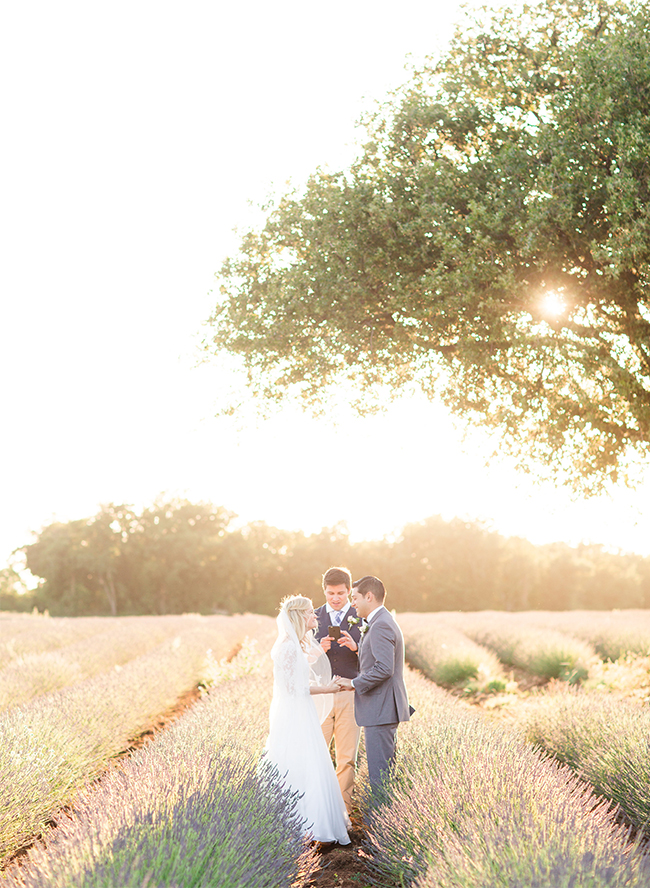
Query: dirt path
[344,866]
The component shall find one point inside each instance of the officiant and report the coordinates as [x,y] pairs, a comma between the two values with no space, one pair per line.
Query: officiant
[339,631]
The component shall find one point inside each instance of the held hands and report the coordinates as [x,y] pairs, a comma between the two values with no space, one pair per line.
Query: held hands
[336,685]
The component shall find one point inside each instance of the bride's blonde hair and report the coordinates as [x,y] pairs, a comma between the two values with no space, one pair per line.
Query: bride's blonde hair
[296,608]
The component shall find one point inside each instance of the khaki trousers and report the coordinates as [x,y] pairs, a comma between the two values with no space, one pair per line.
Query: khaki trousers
[341,725]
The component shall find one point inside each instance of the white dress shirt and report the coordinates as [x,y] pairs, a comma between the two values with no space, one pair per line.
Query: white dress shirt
[372,613]
[344,610]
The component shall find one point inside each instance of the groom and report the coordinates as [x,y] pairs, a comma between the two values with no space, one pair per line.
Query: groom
[380,698]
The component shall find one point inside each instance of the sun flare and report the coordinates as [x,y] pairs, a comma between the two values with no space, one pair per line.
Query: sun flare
[553,305]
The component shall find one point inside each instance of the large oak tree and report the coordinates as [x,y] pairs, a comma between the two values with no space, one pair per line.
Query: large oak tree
[491,245]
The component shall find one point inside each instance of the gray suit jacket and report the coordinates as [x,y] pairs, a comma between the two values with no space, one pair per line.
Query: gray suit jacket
[379,691]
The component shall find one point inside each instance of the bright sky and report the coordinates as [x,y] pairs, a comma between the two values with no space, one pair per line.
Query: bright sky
[135,133]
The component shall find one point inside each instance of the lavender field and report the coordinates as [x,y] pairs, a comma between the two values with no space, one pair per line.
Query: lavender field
[527,762]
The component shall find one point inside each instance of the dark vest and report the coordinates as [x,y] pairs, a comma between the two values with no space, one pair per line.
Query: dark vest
[344,662]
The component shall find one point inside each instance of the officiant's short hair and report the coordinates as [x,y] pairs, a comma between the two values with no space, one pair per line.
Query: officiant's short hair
[370,584]
[337,576]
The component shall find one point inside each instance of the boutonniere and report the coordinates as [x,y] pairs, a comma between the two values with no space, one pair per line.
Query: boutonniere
[354,621]
[364,629]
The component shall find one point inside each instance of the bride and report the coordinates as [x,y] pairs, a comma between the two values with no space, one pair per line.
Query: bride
[302,682]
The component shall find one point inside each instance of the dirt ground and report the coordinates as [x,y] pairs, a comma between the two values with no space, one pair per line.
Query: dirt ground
[344,866]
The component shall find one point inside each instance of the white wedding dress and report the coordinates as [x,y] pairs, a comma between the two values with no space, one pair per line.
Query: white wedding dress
[296,745]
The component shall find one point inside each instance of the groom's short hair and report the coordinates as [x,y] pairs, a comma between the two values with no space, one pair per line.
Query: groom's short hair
[370,584]
[336,576]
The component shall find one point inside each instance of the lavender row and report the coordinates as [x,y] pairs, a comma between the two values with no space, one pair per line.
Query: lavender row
[471,805]
[191,808]
[51,747]
[603,739]
[36,673]
[540,651]
[611,633]
[29,634]
[447,656]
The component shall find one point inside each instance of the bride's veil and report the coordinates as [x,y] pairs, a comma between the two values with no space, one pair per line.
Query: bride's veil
[320,671]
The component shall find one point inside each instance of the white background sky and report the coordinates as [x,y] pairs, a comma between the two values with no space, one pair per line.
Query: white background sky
[134,135]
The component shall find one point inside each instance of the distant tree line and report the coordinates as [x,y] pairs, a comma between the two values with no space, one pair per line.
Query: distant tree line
[176,556]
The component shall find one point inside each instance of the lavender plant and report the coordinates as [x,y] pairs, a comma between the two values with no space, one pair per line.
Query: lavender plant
[192,808]
[611,633]
[29,634]
[543,652]
[604,740]
[471,805]
[51,748]
[446,655]
[626,678]
[37,673]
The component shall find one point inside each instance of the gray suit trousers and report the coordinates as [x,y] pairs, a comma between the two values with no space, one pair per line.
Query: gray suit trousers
[380,751]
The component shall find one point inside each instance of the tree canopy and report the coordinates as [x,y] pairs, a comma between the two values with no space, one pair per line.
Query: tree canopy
[490,245]
[117,561]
